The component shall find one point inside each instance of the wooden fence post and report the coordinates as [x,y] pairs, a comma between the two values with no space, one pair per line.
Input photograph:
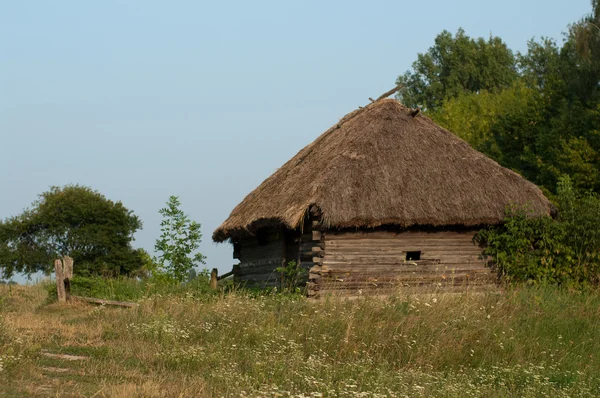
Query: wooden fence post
[68,275]
[60,280]
[213,278]
[64,274]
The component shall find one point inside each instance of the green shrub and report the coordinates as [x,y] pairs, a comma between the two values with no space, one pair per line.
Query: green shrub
[565,250]
[292,276]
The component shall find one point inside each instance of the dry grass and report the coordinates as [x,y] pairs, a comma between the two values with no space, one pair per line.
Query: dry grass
[531,342]
[381,166]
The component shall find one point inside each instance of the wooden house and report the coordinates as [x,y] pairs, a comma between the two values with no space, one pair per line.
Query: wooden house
[384,198]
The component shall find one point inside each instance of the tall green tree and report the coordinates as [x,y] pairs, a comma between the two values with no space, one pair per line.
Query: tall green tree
[73,221]
[456,65]
[179,242]
[537,113]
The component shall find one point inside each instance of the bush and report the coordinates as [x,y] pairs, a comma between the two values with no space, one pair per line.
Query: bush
[292,276]
[565,250]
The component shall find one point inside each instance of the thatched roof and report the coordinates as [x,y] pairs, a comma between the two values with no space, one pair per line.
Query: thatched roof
[381,166]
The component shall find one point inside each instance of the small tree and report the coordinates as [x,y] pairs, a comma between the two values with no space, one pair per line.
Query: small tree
[179,241]
[73,221]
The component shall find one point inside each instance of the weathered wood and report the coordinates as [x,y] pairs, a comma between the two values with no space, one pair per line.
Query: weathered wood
[316,235]
[68,275]
[60,280]
[393,278]
[225,275]
[66,357]
[214,277]
[388,93]
[374,235]
[362,284]
[270,268]
[376,259]
[440,268]
[106,302]
[68,267]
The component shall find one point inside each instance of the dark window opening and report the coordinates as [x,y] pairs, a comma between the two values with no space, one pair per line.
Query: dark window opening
[262,236]
[413,256]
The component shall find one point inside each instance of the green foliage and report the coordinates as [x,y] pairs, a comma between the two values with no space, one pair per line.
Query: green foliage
[292,275]
[537,113]
[74,221]
[542,250]
[456,65]
[178,244]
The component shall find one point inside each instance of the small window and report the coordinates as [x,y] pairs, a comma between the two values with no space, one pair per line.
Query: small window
[413,256]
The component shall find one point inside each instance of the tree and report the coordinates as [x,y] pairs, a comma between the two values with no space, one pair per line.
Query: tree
[179,241]
[73,221]
[455,65]
[537,113]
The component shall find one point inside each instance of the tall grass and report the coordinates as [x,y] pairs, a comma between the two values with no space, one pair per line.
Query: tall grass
[523,342]
[125,288]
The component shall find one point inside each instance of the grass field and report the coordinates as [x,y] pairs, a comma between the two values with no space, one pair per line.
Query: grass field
[521,343]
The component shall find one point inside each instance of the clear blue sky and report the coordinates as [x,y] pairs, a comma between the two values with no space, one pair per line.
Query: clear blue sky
[145,99]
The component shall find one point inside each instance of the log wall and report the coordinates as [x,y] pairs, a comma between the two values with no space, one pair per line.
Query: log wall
[258,261]
[377,260]
[311,244]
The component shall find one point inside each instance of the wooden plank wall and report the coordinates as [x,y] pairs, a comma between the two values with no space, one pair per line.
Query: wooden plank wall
[258,262]
[371,261]
[311,244]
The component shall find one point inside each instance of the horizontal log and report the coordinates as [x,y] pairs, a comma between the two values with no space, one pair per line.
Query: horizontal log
[406,234]
[330,270]
[415,289]
[316,235]
[225,275]
[372,261]
[327,270]
[94,300]
[387,284]
[257,271]
[398,262]
[400,245]
[383,277]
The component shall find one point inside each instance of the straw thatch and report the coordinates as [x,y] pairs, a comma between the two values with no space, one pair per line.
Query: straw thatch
[381,166]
